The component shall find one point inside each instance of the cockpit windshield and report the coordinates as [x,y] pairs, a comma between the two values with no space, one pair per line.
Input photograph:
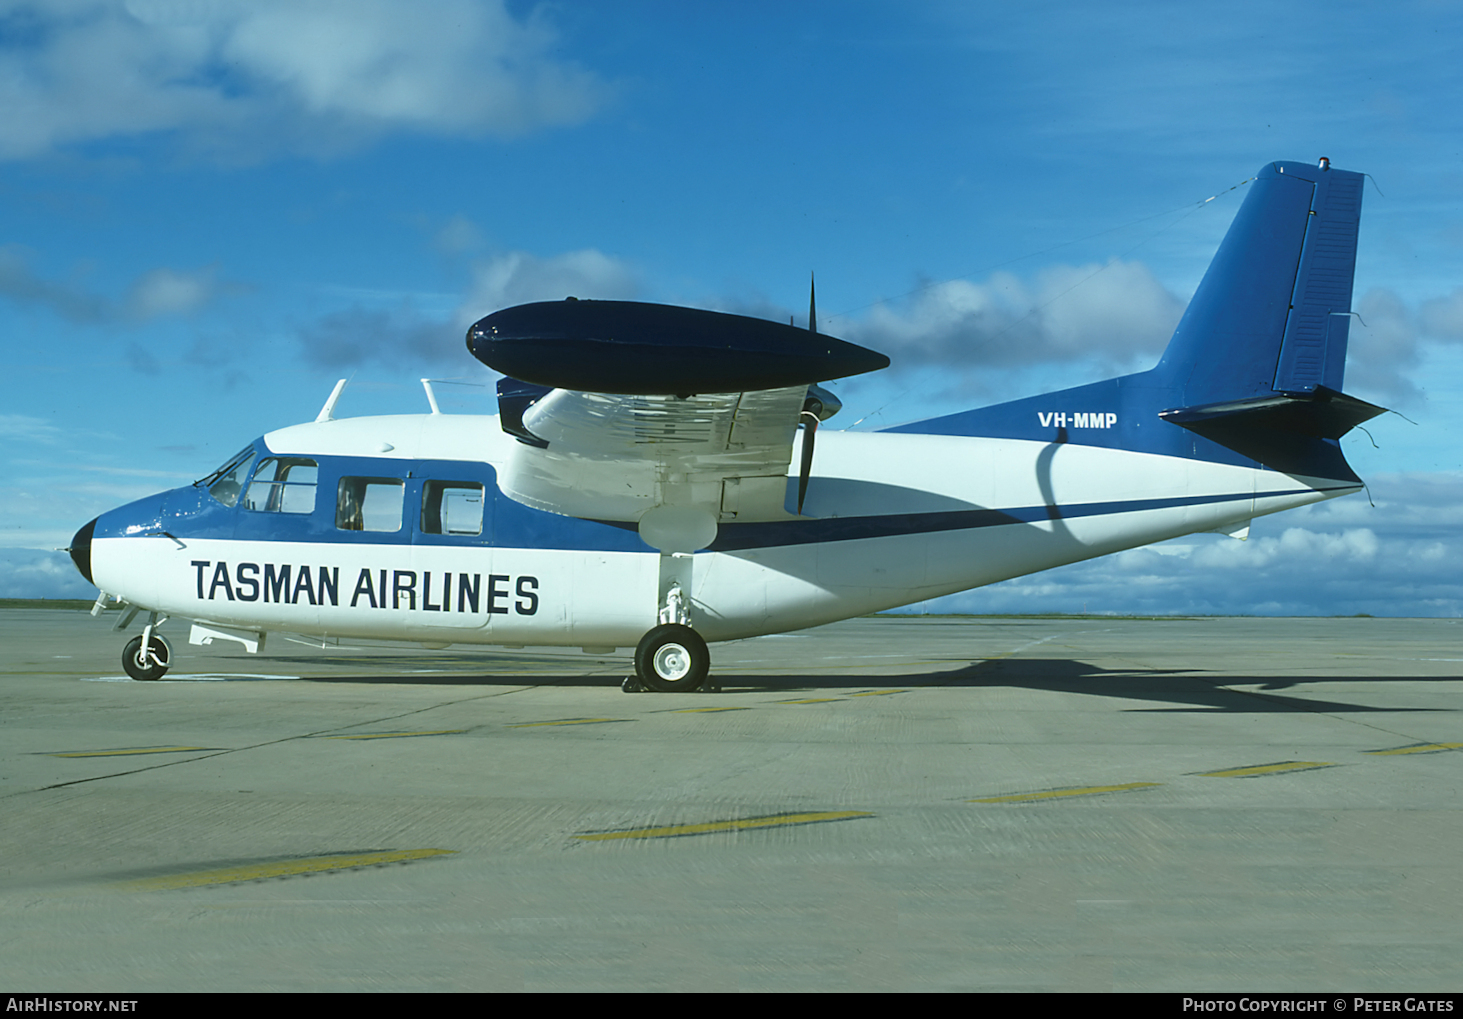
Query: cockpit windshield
[227,482]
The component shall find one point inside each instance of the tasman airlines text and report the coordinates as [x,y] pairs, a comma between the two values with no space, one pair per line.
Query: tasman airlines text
[1061,419]
[378,589]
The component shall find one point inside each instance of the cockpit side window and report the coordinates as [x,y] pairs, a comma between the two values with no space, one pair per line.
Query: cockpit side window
[228,481]
[452,507]
[283,484]
[369,504]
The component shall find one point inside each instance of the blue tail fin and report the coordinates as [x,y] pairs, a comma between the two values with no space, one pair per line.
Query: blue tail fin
[1253,372]
[1273,312]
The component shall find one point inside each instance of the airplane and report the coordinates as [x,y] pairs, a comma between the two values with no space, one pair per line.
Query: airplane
[651,479]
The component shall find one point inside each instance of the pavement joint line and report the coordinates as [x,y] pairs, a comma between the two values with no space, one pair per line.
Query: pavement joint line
[566,721]
[692,711]
[741,824]
[266,743]
[1277,767]
[1417,748]
[811,700]
[281,868]
[125,751]
[877,693]
[1049,794]
[393,735]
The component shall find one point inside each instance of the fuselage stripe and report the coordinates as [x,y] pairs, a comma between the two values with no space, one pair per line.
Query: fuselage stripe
[733,537]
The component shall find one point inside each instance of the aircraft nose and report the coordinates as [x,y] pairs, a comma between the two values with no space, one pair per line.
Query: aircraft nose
[81,550]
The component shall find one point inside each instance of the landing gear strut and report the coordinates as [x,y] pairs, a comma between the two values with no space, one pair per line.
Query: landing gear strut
[672,657]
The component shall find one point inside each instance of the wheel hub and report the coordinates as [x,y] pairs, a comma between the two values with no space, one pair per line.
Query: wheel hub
[672,662]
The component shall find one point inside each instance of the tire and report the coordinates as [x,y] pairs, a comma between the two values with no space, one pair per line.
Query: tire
[672,658]
[153,666]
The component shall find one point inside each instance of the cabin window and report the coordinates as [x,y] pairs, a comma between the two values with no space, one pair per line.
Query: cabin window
[283,484]
[452,507]
[228,481]
[369,504]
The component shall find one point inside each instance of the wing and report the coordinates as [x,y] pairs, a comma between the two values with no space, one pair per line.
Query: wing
[623,408]
[614,456]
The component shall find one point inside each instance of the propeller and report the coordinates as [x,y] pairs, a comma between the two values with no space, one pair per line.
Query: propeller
[812,406]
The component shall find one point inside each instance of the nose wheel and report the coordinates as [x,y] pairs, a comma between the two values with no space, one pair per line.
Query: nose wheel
[149,664]
[672,658]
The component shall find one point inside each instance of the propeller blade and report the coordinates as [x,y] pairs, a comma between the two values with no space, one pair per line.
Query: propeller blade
[809,416]
[810,430]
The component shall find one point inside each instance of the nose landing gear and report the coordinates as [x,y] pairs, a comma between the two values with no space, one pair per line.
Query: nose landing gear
[148,656]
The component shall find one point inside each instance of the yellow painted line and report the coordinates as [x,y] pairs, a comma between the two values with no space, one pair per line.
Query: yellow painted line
[568,721]
[813,700]
[693,711]
[282,868]
[130,750]
[771,821]
[394,735]
[1418,748]
[1266,769]
[877,693]
[1050,794]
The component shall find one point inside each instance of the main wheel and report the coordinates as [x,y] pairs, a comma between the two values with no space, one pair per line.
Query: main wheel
[672,658]
[153,665]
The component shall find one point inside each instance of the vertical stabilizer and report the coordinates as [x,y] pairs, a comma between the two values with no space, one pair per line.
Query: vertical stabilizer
[1272,314]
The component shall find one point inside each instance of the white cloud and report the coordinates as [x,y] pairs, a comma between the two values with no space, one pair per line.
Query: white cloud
[1442,317]
[20,283]
[1356,545]
[397,337]
[518,278]
[1118,318]
[167,291]
[1116,315]
[242,78]
[23,427]
[405,335]
[157,293]
[1382,349]
[457,235]
[28,573]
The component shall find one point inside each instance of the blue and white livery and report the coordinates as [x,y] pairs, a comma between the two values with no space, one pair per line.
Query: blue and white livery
[651,482]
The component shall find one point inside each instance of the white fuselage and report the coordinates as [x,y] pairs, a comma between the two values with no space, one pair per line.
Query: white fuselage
[929,498]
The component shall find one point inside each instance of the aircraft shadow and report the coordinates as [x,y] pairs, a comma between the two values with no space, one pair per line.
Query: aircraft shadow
[1179,690]
[1169,690]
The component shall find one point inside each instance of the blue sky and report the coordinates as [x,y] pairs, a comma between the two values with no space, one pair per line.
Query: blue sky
[210,210]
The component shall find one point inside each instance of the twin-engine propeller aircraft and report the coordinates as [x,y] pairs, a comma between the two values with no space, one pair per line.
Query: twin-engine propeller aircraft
[651,481]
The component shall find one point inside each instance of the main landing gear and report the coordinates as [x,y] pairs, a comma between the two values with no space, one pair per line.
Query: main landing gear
[672,657]
[669,659]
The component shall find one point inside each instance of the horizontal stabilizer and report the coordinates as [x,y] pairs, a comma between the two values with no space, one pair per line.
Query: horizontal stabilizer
[1276,430]
[1322,413]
